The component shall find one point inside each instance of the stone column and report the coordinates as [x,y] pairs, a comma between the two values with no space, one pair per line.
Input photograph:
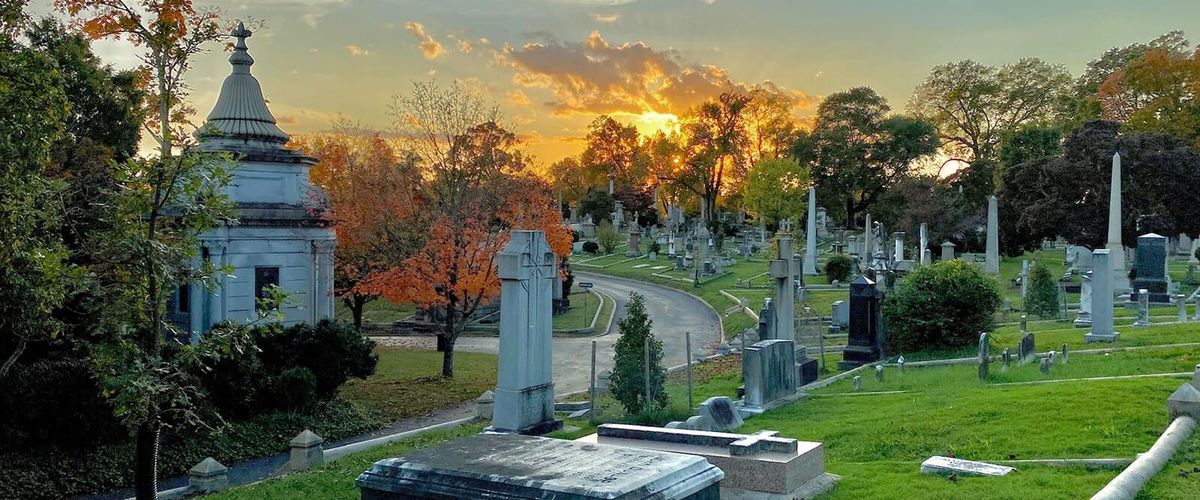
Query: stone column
[992,264]
[899,253]
[1102,299]
[702,250]
[925,257]
[1115,247]
[810,241]
[216,297]
[1024,279]
[1084,318]
[1181,303]
[524,383]
[324,297]
[1143,308]
[947,251]
[785,299]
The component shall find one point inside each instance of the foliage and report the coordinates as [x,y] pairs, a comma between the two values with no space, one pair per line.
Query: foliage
[972,104]
[713,152]
[1068,195]
[776,189]
[639,202]
[60,404]
[1155,93]
[838,268]
[1028,143]
[856,152]
[608,237]
[628,384]
[1041,295]
[372,197]
[941,306]
[599,205]
[613,153]
[935,202]
[591,247]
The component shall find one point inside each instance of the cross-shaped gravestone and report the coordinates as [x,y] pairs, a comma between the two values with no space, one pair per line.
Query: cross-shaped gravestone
[762,441]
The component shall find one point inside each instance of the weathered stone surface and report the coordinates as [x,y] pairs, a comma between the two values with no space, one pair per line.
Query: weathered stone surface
[985,357]
[306,451]
[1102,299]
[1185,401]
[1150,260]
[841,314]
[769,371]
[806,371]
[515,466]
[208,476]
[720,410]
[1027,349]
[947,465]
[865,343]
[761,464]
[991,264]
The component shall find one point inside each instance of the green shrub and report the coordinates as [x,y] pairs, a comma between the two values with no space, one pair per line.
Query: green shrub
[608,237]
[296,387]
[55,401]
[941,306]
[838,268]
[1041,293]
[591,247]
[628,383]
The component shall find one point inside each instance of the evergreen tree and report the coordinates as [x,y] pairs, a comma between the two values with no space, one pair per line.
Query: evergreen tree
[628,384]
[1041,296]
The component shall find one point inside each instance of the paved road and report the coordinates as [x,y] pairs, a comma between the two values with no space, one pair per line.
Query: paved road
[673,313]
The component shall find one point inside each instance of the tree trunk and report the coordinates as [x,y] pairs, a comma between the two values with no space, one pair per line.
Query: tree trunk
[12,359]
[146,467]
[441,343]
[356,304]
[850,213]
[448,360]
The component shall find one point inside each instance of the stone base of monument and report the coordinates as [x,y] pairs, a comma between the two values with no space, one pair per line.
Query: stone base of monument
[1088,338]
[510,466]
[806,372]
[756,466]
[854,356]
[526,411]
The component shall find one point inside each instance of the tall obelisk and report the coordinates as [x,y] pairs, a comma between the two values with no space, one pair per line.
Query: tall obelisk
[1116,250]
[810,236]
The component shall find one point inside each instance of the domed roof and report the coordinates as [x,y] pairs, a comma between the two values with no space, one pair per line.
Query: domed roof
[241,112]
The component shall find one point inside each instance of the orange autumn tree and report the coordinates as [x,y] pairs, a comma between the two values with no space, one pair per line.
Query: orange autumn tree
[373,197]
[475,193]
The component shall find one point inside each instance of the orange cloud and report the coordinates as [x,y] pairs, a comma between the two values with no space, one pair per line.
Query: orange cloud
[430,47]
[357,51]
[595,77]
[606,18]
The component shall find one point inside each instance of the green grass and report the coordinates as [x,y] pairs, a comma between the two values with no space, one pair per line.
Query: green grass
[583,309]
[1180,478]
[409,383]
[376,311]
[335,480]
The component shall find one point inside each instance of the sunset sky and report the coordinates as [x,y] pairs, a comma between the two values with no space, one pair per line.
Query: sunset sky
[553,65]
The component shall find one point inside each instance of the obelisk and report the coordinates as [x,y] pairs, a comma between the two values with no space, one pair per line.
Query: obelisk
[810,237]
[1116,249]
[991,264]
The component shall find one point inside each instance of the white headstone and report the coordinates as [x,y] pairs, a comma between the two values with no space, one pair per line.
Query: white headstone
[947,465]
[1102,300]
[925,256]
[524,384]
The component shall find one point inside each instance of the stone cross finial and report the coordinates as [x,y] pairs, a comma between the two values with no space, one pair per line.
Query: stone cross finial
[241,33]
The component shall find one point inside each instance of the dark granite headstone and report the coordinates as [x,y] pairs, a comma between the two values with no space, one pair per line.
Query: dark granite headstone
[806,371]
[766,320]
[512,466]
[1151,263]
[1026,350]
[866,338]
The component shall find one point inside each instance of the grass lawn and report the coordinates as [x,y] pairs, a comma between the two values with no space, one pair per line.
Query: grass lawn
[376,311]
[408,383]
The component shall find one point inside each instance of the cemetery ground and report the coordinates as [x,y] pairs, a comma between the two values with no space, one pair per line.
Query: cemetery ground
[875,439]
[380,314]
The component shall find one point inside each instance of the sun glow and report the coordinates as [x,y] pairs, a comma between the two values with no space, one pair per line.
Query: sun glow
[650,122]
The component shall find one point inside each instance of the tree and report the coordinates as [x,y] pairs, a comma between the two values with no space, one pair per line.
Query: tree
[608,237]
[597,204]
[776,189]
[856,153]
[611,154]
[628,384]
[640,202]
[475,192]
[567,177]
[1068,195]
[166,203]
[1041,296]
[1115,60]
[927,199]
[33,272]
[1155,93]
[770,128]
[373,199]
[713,154]
[972,104]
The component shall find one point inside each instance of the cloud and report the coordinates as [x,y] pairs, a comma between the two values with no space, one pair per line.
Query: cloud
[430,48]
[357,51]
[465,46]
[516,96]
[606,18]
[596,76]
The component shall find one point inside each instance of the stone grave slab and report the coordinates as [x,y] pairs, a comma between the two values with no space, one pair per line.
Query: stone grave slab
[760,465]
[513,466]
[947,466]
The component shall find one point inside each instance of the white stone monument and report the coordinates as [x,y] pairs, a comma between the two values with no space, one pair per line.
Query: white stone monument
[1102,300]
[992,263]
[524,385]
[1116,249]
[898,254]
[868,247]
[785,300]
[1084,318]
[810,241]
[925,255]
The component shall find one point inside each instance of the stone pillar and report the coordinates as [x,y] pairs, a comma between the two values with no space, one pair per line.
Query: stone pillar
[868,245]
[216,296]
[1102,299]
[208,476]
[1181,303]
[992,263]
[810,242]
[1024,279]
[865,342]
[785,299]
[323,299]
[1143,308]
[1116,249]
[1084,318]
[925,256]
[702,250]
[524,383]
[947,251]
[635,241]
[985,356]
[306,451]
[899,251]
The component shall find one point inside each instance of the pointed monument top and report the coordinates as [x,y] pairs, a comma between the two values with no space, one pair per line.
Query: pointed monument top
[241,111]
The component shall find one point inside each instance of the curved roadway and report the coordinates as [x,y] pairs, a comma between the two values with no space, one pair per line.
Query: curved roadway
[672,312]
